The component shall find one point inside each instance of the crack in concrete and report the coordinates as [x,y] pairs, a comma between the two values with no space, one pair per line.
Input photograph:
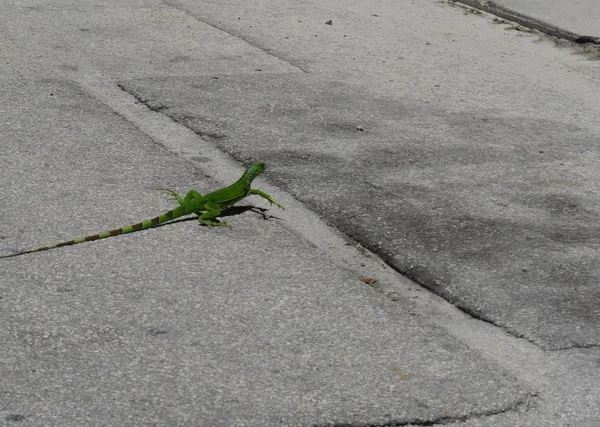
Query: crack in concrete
[413,277]
[161,108]
[520,405]
[575,346]
[151,104]
[528,21]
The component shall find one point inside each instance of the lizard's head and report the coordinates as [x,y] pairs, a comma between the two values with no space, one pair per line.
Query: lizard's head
[254,170]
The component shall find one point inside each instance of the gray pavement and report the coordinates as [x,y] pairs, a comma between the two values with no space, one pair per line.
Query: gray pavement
[245,326]
[418,138]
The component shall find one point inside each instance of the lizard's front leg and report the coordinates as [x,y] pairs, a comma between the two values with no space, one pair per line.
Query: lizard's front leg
[265,196]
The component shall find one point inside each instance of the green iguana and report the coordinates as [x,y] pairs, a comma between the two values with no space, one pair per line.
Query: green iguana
[208,207]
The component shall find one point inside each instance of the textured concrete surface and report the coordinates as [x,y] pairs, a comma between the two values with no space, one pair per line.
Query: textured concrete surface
[568,394]
[436,135]
[184,324]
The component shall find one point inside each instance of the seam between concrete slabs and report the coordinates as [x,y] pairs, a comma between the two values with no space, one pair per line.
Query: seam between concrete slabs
[516,407]
[528,21]
[233,34]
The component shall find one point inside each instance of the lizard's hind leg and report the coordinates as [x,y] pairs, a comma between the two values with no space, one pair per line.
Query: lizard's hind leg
[192,194]
[212,211]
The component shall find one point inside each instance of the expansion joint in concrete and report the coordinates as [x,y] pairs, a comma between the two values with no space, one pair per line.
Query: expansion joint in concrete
[232,33]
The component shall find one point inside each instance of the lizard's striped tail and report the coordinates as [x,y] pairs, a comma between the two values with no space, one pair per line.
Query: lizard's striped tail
[149,223]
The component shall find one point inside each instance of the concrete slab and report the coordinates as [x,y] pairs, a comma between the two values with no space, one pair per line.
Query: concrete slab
[431,53]
[494,210]
[183,325]
[100,39]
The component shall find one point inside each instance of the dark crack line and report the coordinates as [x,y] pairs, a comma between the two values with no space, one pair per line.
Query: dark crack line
[161,109]
[573,347]
[456,303]
[529,21]
[521,404]
[414,278]
[232,34]
[147,102]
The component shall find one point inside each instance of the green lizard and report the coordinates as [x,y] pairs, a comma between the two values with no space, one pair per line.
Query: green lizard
[208,207]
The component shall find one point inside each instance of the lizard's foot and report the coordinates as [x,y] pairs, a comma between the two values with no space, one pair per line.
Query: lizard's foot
[273,202]
[209,223]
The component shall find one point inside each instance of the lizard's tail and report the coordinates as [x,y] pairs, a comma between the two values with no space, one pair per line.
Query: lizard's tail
[149,223]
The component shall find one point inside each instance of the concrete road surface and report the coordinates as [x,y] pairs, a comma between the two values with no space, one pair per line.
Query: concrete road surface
[437,259]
